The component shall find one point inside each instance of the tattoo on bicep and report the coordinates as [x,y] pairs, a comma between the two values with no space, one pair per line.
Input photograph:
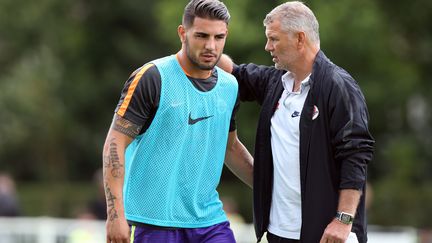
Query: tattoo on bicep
[126,127]
[112,160]
[112,212]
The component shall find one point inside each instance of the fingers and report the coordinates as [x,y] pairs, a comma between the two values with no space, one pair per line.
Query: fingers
[121,240]
[330,240]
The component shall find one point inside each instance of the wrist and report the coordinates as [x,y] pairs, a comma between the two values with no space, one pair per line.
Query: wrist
[345,218]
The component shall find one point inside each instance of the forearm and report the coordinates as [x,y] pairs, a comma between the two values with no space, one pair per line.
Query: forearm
[240,162]
[349,200]
[113,172]
[336,230]
[119,136]
[117,229]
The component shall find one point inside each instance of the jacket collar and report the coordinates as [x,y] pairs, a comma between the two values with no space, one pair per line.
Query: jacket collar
[319,66]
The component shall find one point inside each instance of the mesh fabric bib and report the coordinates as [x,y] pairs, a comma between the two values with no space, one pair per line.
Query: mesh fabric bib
[173,169]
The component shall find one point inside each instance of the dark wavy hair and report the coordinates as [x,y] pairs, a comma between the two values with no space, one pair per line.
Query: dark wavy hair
[206,9]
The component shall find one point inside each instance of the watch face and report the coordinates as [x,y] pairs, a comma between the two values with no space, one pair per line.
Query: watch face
[345,218]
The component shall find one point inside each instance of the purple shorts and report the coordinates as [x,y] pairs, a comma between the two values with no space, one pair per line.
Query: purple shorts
[218,233]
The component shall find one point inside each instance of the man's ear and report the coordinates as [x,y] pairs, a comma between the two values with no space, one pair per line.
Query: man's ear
[301,39]
[181,31]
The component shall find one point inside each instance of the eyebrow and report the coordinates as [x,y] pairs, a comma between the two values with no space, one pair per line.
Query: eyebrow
[201,33]
[207,34]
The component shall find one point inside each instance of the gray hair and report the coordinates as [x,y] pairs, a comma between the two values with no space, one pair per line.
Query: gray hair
[295,16]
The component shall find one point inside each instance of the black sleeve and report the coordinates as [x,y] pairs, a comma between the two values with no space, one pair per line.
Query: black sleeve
[140,96]
[351,139]
[233,124]
[254,80]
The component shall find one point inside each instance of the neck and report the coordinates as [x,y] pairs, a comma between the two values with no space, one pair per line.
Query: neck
[190,68]
[305,66]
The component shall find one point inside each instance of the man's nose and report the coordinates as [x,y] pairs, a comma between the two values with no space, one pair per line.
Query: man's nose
[268,47]
[210,44]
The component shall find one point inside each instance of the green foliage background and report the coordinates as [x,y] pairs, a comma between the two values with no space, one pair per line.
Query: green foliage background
[63,65]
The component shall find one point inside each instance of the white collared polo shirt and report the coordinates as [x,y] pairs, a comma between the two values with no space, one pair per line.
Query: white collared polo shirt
[285,213]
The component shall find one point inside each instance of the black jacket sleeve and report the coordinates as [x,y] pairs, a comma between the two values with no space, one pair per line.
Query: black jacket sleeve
[254,80]
[351,140]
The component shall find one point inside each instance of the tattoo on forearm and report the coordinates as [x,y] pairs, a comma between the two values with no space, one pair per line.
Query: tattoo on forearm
[112,160]
[106,161]
[126,127]
[112,212]
[117,168]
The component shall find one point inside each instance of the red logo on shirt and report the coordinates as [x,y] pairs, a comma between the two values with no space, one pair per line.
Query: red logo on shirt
[277,106]
[315,112]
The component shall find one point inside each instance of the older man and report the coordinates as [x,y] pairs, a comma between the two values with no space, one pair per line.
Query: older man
[313,143]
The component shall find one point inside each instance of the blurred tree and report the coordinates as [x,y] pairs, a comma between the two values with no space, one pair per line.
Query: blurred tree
[63,65]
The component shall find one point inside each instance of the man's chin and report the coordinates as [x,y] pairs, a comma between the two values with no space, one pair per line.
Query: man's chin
[207,66]
[279,67]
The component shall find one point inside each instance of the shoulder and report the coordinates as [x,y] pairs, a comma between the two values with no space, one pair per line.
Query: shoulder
[332,75]
[154,68]
[164,60]
[226,79]
[223,74]
[144,79]
[147,70]
[338,85]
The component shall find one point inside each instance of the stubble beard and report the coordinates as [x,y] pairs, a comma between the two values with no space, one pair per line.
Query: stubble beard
[279,66]
[287,65]
[195,61]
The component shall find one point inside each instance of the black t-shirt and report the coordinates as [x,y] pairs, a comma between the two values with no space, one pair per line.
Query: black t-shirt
[145,95]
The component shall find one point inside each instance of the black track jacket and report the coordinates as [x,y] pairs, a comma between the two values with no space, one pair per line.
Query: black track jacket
[335,147]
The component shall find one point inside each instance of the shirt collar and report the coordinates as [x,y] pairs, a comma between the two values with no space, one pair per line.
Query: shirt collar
[288,82]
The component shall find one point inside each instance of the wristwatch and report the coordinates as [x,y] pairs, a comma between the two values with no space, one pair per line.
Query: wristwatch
[345,218]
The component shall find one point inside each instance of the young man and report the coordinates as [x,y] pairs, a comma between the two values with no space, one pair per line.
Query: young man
[172,130]
[313,143]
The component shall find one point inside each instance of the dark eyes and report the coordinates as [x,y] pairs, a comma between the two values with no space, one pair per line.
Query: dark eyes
[204,36]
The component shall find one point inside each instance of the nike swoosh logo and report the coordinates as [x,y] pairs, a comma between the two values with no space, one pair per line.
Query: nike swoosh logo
[193,121]
[295,114]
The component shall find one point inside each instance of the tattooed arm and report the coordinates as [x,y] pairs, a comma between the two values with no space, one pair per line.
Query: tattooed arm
[120,135]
